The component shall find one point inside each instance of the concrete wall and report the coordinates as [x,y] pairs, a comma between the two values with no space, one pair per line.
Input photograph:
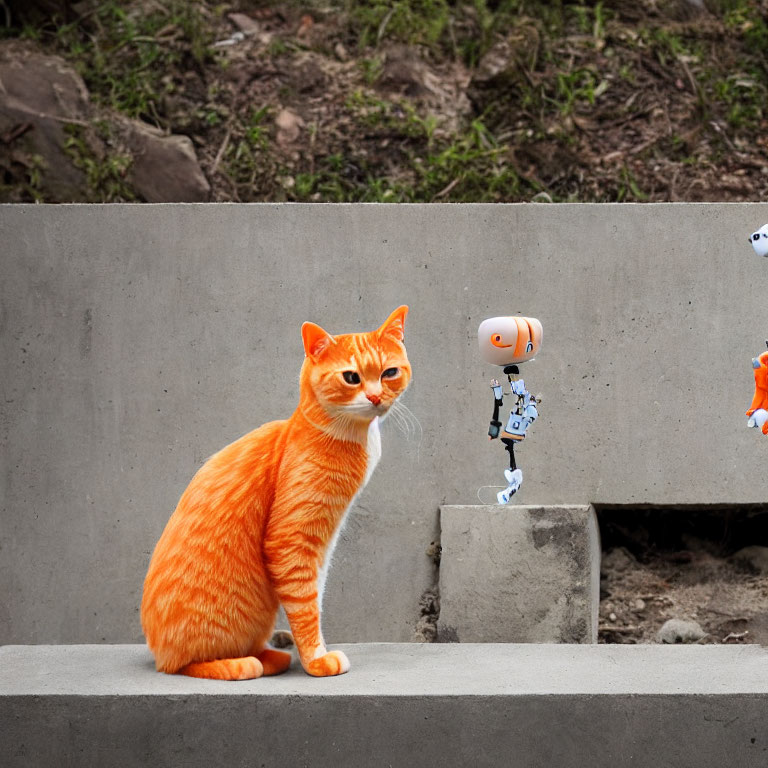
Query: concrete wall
[137,340]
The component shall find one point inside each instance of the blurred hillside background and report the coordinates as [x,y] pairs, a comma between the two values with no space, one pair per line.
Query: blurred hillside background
[405,101]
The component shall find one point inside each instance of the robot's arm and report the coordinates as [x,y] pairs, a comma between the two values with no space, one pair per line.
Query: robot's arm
[531,410]
[760,399]
[498,400]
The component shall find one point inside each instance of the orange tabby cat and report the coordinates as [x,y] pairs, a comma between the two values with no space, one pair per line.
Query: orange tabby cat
[257,525]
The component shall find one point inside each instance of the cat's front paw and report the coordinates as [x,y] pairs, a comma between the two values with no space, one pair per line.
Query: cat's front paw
[329,664]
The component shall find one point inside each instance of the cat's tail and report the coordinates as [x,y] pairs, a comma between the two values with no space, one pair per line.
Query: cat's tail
[245,668]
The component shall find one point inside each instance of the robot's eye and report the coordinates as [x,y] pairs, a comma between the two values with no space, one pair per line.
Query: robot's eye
[529,347]
[756,236]
[351,377]
[765,234]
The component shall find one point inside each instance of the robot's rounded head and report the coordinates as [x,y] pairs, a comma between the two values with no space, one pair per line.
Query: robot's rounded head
[759,241]
[509,340]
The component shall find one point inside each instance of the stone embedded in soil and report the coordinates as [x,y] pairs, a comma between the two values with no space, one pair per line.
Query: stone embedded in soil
[618,559]
[677,631]
[41,95]
[164,168]
[755,556]
[289,125]
[245,23]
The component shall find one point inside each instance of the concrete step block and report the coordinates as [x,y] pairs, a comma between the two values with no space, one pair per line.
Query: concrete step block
[540,706]
[519,574]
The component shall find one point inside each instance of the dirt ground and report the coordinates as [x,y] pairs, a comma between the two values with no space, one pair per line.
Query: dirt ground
[697,579]
[445,101]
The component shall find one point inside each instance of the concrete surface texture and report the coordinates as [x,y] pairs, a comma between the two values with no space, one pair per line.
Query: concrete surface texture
[138,340]
[400,704]
[526,575]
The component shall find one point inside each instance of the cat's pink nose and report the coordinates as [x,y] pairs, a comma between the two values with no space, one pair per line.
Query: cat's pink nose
[375,399]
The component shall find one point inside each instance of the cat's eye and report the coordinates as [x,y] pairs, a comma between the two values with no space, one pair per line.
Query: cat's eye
[390,373]
[351,377]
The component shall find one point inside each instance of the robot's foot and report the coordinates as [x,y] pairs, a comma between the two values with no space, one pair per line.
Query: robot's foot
[515,480]
[504,496]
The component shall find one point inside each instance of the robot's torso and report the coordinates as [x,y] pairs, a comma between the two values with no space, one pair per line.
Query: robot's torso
[523,414]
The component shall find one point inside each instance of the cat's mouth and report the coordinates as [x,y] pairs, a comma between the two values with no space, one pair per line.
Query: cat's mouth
[366,410]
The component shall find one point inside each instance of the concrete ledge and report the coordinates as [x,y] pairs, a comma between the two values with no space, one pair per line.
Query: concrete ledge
[400,705]
[519,574]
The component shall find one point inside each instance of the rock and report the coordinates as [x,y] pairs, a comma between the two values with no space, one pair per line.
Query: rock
[40,96]
[164,168]
[289,126]
[244,23]
[677,631]
[341,52]
[618,559]
[756,557]
[44,104]
[639,605]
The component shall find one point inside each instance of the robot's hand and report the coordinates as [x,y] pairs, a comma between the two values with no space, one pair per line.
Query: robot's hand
[494,429]
[497,390]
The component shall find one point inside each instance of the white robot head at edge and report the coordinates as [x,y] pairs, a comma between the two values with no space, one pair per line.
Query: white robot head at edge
[759,241]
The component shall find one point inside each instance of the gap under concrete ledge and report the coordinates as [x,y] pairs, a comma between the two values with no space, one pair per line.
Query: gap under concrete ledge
[400,705]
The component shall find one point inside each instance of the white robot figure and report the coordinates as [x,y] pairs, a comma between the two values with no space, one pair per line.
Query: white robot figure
[759,241]
[508,342]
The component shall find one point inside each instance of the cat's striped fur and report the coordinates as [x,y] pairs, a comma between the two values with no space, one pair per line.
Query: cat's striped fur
[254,528]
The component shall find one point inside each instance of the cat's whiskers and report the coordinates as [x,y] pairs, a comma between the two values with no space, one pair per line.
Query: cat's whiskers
[407,423]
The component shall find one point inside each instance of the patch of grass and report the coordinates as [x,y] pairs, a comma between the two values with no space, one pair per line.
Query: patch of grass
[579,85]
[474,168]
[124,53]
[590,19]
[751,24]
[411,21]
[744,100]
[372,69]
[400,118]
[105,175]
[628,189]
[246,160]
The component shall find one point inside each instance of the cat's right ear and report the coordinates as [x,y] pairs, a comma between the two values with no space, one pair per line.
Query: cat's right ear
[316,340]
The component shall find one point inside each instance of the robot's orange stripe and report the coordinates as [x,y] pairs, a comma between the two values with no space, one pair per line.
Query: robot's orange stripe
[523,335]
[530,332]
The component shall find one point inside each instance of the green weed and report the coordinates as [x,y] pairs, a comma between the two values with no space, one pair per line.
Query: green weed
[124,54]
[105,176]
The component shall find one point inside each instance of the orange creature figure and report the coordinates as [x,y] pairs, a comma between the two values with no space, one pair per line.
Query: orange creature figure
[257,525]
[758,410]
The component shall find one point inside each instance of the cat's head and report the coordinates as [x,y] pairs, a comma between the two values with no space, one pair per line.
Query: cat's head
[356,375]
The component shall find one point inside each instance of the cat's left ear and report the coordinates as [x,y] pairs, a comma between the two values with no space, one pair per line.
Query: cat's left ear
[315,339]
[394,327]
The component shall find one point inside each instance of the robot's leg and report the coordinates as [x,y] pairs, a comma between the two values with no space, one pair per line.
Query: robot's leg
[515,480]
[513,474]
[510,446]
